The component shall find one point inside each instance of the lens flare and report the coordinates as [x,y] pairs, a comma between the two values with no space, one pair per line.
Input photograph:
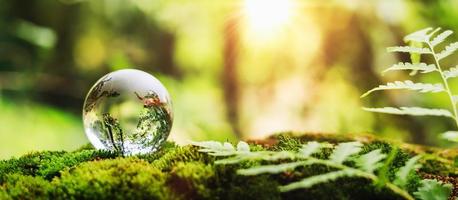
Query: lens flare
[267,15]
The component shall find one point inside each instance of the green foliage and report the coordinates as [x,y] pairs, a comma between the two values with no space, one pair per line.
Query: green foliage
[433,190]
[340,162]
[425,37]
[403,174]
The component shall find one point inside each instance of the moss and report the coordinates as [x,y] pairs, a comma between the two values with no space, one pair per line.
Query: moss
[26,187]
[191,180]
[121,178]
[177,172]
[48,164]
[230,185]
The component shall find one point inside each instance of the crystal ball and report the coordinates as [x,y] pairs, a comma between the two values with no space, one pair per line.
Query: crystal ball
[128,111]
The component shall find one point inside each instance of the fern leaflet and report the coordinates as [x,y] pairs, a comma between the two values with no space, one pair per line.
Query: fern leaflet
[422,67]
[369,162]
[409,49]
[403,173]
[409,85]
[441,37]
[433,190]
[415,111]
[448,50]
[451,73]
[345,150]
[450,136]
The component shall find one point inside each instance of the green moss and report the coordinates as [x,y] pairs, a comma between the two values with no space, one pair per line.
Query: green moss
[26,187]
[121,178]
[191,180]
[48,164]
[177,172]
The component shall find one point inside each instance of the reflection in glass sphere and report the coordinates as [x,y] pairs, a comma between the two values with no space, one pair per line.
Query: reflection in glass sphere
[128,111]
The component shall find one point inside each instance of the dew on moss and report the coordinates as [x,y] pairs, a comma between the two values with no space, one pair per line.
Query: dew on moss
[128,111]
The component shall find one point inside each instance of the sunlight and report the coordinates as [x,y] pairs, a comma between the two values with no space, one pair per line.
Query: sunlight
[267,15]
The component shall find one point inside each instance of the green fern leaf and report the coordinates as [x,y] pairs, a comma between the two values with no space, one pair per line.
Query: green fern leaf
[309,149]
[216,148]
[441,37]
[409,85]
[369,162]
[433,190]
[344,150]
[243,147]
[322,178]
[402,174]
[408,49]
[449,49]
[450,136]
[273,169]
[419,36]
[451,73]
[422,67]
[415,111]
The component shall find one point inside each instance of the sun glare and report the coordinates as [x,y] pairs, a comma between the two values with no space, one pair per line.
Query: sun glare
[267,15]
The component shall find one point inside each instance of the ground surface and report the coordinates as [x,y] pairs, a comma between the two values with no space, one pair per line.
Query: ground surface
[183,173]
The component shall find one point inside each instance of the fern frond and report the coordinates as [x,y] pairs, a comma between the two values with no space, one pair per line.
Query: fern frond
[415,111]
[344,150]
[409,49]
[369,162]
[243,146]
[450,136]
[409,85]
[273,169]
[422,67]
[432,189]
[419,36]
[309,149]
[221,149]
[449,49]
[322,178]
[402,174]
[451,73]
[441,37]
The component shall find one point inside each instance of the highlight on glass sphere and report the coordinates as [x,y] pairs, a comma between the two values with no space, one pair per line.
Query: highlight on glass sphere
[128,111]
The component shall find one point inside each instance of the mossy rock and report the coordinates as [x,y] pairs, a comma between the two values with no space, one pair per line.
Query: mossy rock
[184,173]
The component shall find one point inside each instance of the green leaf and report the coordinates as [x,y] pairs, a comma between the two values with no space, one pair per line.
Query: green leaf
[451,73]
[450,136]
[419,36]
[415,111]
[441,37]
[408,85]
[322,178]
[449,49]
[402,174]
[369,162]
[273,169]
[433,190]
[243,146]
[422,67]
[408,49]
[344,150]
[309,149]
[216,148]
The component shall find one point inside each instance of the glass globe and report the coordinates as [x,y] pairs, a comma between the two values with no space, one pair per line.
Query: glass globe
[128,111]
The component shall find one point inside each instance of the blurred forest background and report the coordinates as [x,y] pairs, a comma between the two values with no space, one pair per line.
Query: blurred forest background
[234,68]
